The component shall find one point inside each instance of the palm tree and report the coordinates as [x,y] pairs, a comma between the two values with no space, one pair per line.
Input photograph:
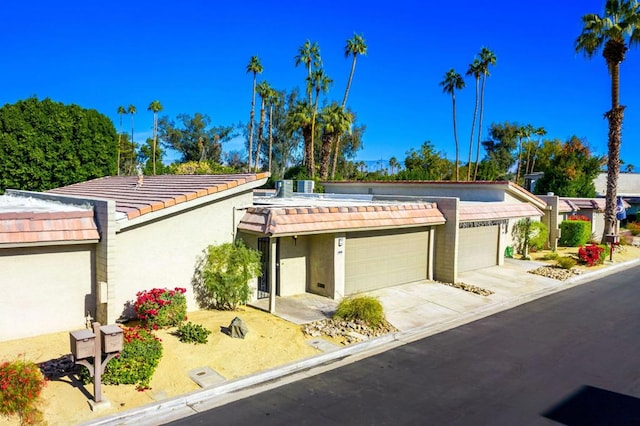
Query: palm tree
[156,107]
[299,118]
[614,32]
[475,69]
[393,163]
[540,132]
[487,57]
[132,110]
[121,112]
[522,132]
[452,81]
[254,67]
[274,100]
[355,46]
[263,90]
[335,122]
[319,82]
[309,55]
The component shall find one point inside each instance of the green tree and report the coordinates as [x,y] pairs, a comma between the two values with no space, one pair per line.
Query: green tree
[355,46]
[156,107]
[617,30]
[335,121]
[426,164]
[299,119]
[393,164]
[132,110]
[452,81]
[145,158]
[46,144]
[195,140]
[127,153]
[487,58]
[571,171]
[320,83]
[264,90]
[273,100]
[254,67]
[121,111]
[523,132]
[475,69]
[309,56]
[499,149]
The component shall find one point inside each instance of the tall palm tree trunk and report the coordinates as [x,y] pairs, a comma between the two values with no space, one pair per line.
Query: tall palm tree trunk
[270,135]
[473,125]
[455,137]
[155,139]
[260,132]
[475,172]
[251,118]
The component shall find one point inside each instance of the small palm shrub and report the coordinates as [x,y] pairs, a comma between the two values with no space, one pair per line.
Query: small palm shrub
[566,262]
[193,333]
[550,256]
[364,308]
[21,383]
[136,363]
[161,307]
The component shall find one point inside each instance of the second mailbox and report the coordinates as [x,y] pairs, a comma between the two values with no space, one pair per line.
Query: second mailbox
[111,338]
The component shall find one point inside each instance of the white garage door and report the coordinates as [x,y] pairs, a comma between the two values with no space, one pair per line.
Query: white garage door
[478,247]
[385,258]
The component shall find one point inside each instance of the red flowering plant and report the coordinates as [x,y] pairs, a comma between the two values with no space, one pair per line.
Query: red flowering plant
[141,353]
[579,217]
[20,385]
[592,254]
[161,307]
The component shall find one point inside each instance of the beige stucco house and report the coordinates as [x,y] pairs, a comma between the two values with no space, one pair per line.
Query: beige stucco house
[90,247]
[363,236]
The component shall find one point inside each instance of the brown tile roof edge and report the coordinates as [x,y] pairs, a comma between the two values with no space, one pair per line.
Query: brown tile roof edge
[47,227]
[156,192]
[284,220]
[471,212]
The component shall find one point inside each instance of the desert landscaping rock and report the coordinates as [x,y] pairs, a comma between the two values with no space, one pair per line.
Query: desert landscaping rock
[555,272]
[346,332]
[470,288]
[238,329]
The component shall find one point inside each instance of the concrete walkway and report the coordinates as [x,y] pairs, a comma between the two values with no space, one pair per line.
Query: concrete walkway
[418,310]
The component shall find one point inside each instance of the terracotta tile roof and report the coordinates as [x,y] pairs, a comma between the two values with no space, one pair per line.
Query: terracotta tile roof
[490,211]
[156,192]
[566,206]
[598,204]
[32,227]
[306,220]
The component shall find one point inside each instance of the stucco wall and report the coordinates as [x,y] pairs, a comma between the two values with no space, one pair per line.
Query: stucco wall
[163,253]
[45,289]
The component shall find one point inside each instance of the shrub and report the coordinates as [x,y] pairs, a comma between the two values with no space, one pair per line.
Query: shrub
[193,333]
[161,307]
[364,308]
[592,254]
[529,235]
[566,262]
[225,275]
[551,256]
[634,227]
[574,233]
[136,363]
[539,235]
[20,385]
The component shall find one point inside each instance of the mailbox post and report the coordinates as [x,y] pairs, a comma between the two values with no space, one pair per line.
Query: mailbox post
[103,344]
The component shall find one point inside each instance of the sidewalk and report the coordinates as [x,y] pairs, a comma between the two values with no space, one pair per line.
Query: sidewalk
[418,310]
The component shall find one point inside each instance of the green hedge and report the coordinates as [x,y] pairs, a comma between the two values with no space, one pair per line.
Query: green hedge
[574,233]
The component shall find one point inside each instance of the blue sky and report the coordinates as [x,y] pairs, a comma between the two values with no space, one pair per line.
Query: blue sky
[191,56]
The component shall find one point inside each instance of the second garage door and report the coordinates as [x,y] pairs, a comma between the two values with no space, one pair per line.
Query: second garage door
[478,247]
[380,259]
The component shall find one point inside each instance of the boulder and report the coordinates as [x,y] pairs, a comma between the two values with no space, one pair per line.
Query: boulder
[237,328]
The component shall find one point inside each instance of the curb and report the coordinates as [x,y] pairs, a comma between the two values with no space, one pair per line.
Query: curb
[199,400]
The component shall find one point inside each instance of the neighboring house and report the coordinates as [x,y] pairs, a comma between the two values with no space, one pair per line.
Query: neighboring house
[628,189]
[117,236]
[351,239]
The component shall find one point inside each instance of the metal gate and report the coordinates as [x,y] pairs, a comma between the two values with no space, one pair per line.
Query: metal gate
[263,281]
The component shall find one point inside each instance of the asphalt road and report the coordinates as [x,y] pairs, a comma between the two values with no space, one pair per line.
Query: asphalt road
[571,358]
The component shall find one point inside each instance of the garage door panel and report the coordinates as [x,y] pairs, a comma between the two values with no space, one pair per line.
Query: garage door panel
[478,247]
[382,259]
